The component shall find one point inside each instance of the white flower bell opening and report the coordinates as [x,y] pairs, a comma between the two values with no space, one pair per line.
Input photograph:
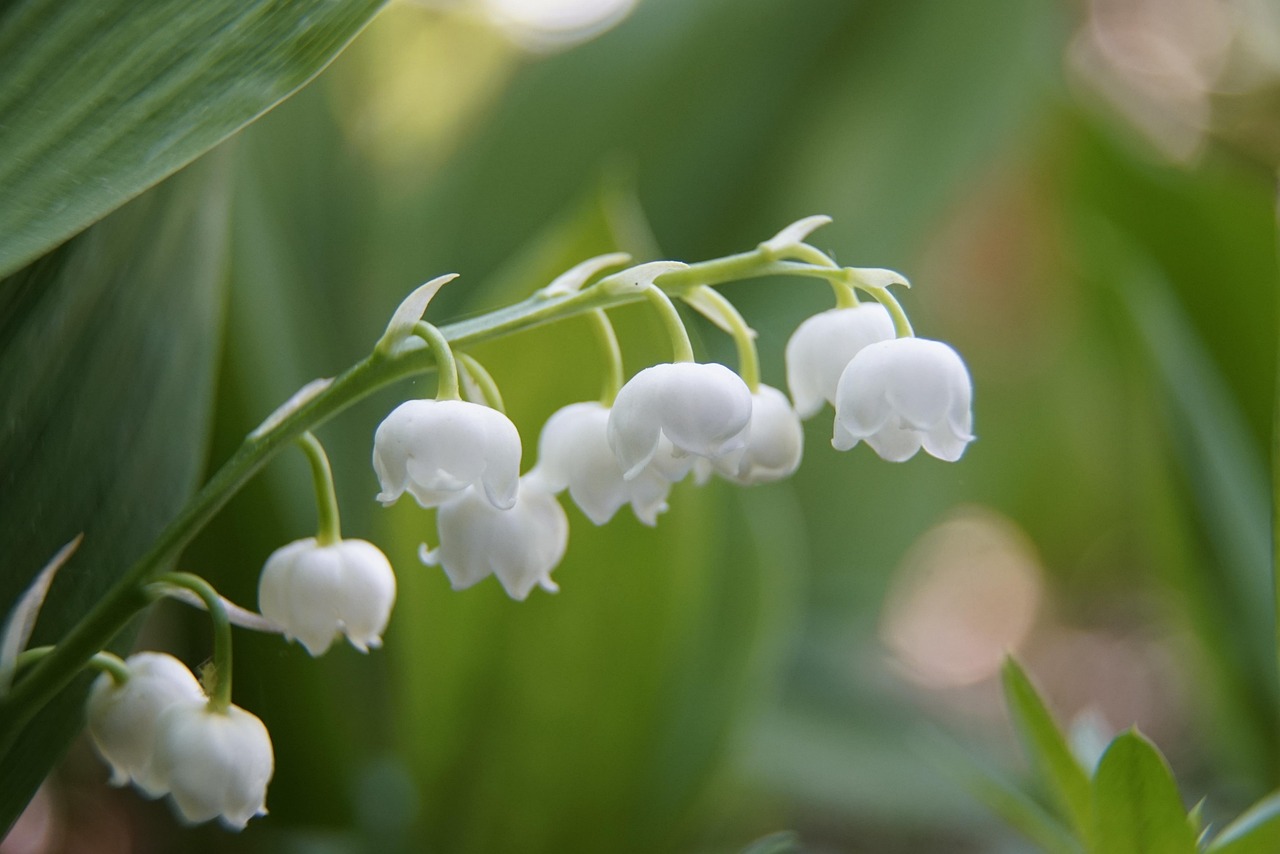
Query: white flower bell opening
[217,764]
[703,409]
[775,442]
[574,454]
[122,718]
[314,592]
[436,449]
[824,344]
[901,395]
[521,545]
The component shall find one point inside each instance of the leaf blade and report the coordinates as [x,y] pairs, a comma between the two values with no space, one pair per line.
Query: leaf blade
[101,103]
[1136,805]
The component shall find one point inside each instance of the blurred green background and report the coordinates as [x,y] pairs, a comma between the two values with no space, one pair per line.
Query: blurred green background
[1089,224]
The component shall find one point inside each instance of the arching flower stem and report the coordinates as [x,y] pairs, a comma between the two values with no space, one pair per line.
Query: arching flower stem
[901,325]
[681,346]
[219,686]
[105,662]
[743,336]
[608,339]
[329,529]
[446,367]
[484,380]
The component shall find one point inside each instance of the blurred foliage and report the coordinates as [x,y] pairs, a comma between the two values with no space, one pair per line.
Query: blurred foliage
[722,677]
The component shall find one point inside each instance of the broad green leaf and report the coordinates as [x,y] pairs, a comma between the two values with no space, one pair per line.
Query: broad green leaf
[1046,746]
[101,100]
[1136,807]
[107,354]
[1256,831]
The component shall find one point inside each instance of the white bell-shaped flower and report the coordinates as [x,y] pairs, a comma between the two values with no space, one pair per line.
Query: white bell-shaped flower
[824,344]
[521,545]
[702,409]
[435,449]
[775,442]
[314,592]
[904,394]
[217,764]
[574,454]
[122,718]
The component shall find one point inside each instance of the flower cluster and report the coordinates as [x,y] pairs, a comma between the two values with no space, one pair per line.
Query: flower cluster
[896,392]
[158,730]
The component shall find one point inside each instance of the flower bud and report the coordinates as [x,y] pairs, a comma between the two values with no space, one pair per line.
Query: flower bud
[314,592]
[824,344]
[703,409]
[904,394]
[521,545]
[435,449]
[217,763]
[122,717]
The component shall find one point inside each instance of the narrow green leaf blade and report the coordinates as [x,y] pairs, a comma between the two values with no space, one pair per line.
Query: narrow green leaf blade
[1135,802]
[1256,831]
[102,100]
[1047,747]
[107,354]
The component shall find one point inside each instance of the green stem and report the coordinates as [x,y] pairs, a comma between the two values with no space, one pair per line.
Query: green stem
[328,526]
[105,662]
[743,338]
[220,690]
[483,379]
[901,325]
[681,346]
[447,368]
[608,338]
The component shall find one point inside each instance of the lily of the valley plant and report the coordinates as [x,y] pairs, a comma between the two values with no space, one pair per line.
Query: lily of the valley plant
[158,728]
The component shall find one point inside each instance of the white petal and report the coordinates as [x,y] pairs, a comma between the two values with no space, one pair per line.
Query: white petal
[521,545]
[122,719]
[902,395]
[775,442]
[218,764]
[574,454]
[434,449]
[702,409]
[824,344]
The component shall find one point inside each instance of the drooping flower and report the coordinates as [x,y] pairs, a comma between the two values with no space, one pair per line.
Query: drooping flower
[904,394]
[775,442]
[824,344]
[314,592]
[520,545]
[574,454]
[703,409]
[435,449]
[122,718]
[217,764]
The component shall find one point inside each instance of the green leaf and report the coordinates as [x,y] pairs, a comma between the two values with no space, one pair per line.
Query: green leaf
[102,100]
[1006,800]
[107,354]
[1135,802]
[1047,747]
[1256,831]
[782,842]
